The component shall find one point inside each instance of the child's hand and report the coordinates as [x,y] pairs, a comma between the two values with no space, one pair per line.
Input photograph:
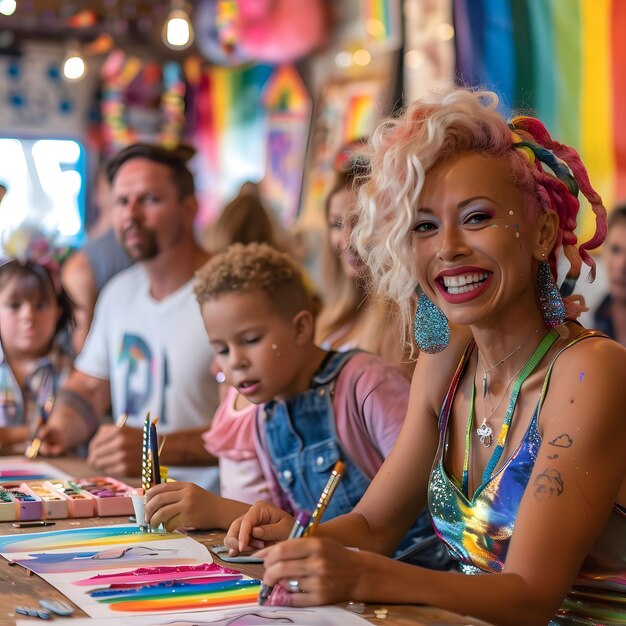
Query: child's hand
[54,435]
[177,505]
[63,431]
[261,526]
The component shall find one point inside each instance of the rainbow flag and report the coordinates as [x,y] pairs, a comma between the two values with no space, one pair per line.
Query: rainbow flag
[563,61]
[228,131]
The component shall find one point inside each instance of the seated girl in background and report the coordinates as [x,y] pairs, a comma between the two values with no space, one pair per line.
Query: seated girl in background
[35,313]
[351,317]
[318,406]
[515,432]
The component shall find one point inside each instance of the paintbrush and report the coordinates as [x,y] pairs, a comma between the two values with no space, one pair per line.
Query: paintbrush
[306,524]
[33,448]
[154,454]
[146,465]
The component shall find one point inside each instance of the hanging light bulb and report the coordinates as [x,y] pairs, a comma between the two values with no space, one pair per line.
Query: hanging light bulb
[177,30]
[7,7]
[74,65]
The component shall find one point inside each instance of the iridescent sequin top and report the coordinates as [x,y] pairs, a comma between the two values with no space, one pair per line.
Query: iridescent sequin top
[477,530]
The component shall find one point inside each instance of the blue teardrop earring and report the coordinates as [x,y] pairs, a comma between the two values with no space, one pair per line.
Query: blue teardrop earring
[431,328]
[550,300]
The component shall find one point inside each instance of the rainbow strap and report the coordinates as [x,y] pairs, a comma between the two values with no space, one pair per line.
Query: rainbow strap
[527,370]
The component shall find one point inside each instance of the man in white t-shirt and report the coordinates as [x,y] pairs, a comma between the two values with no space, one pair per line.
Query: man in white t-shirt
[147,349]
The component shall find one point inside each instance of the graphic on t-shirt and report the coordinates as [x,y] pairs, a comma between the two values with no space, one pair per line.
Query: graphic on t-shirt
[135,361]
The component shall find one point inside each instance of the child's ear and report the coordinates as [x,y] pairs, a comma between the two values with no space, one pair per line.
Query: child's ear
[304,326]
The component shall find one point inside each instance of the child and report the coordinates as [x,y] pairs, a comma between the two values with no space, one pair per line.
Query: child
[35,311]
[318,406]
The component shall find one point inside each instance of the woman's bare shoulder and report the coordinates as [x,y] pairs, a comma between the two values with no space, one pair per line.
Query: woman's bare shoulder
[596,353]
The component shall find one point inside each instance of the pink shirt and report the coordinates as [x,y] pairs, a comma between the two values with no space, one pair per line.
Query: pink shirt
[231,439]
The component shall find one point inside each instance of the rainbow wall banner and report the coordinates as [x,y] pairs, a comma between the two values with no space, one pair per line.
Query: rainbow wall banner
[561,60]
[228,131]
[382,23]
[288,106]
[116,570]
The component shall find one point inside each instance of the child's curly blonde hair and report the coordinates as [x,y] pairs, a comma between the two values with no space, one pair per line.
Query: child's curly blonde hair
[256,266]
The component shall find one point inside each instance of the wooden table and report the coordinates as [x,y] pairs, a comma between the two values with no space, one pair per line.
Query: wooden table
[18,588]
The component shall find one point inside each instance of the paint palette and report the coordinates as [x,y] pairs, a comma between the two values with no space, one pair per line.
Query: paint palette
[55,504]
[112,497]
[80,503]
[8,511]
[27,505]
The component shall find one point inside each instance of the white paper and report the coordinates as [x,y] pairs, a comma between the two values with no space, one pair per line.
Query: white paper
[64,557]
[252,616]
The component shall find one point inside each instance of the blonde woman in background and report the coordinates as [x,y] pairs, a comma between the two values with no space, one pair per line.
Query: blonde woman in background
[243,220]
[350,317]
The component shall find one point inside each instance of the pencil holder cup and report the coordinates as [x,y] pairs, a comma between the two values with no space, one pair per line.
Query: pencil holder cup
[139,505]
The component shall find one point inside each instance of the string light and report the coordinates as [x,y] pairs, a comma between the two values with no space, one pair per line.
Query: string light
[7,7]
[361,57]
[74,65]
[343,59]
[177,31]
[445,31]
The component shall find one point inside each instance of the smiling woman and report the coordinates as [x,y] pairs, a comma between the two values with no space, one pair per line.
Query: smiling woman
[527,482]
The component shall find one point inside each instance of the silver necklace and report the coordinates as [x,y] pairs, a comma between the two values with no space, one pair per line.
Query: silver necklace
[501,361]
[484,431]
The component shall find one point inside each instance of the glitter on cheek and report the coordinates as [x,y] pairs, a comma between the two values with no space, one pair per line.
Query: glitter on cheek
[581,376]
[517,235]
[511,213]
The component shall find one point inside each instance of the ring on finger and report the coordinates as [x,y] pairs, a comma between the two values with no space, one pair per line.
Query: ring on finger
[293,586]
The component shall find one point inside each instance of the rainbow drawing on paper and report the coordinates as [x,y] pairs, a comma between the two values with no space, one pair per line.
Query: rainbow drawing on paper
[108,559]
[162,573]
[79,538]
[179,596]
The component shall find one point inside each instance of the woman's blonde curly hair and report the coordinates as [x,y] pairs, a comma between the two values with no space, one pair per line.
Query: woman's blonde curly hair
[404,148]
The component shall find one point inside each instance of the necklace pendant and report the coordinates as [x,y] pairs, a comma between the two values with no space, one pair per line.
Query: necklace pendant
[485,434]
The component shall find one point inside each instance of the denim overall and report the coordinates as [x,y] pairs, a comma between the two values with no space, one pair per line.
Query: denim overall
[303,446]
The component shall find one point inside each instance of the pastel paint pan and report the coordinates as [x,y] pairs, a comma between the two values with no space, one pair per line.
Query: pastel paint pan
[8,512]
[28,506]
[54,504]
[112,497]
[80,503]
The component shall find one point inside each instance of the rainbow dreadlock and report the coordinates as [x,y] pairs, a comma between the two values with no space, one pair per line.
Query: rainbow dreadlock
[559,192]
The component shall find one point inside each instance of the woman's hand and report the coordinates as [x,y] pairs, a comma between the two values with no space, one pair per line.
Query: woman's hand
[178,505]
[262,525]
[323,571]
